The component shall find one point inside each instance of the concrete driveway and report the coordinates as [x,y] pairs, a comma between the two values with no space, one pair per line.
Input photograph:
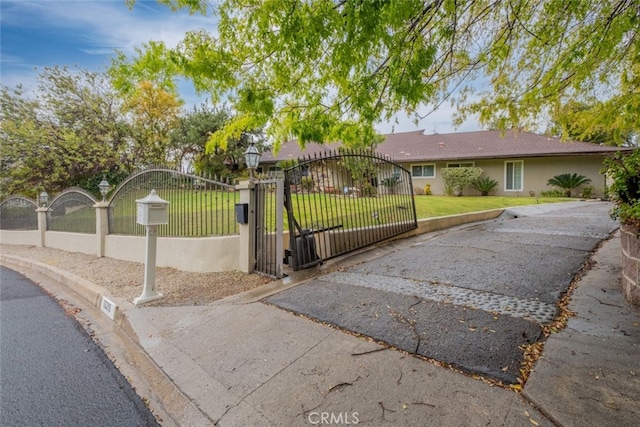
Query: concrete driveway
[470,297]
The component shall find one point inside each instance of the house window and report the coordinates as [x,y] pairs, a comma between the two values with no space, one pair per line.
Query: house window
[397,172]
[423,171]
[461,165]
[513,175]
[260,169]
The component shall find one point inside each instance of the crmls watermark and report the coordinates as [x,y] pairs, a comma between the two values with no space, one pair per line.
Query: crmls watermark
[316,418]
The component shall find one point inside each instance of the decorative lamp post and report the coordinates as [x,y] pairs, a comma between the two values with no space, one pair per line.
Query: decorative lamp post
[43,199]
[104,187]
[252,158]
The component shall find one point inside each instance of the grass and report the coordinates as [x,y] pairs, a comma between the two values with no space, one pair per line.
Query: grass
[356,212]
[191,216]
[434,206]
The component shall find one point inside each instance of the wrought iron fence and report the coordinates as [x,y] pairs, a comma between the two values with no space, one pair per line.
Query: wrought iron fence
[339,202]
[72,211]
[198,207]
[269,227]
[18,213]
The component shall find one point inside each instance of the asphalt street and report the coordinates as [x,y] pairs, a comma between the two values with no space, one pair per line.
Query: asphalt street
[470,298]
[52,373]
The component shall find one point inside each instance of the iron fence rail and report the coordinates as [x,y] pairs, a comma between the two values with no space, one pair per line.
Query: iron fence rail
[18,213]
[199,206]
[72,211]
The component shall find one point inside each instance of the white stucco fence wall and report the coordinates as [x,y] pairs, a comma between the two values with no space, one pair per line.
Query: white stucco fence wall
[19,237]
[200,255]
[71,242]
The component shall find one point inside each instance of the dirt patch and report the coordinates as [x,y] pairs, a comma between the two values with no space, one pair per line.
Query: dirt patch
[125,279]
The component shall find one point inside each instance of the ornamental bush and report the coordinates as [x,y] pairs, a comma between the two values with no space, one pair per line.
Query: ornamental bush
[456,179]
[623,169]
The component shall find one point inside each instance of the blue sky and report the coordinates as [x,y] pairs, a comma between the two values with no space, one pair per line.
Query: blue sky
[86,33]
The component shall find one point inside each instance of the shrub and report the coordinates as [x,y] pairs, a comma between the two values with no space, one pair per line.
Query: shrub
[418,191]
[427,189]
[456,179]
[624,172]
[587,192]
[568,182]
[307,184]
[368,190]
[391,183]
[552,193]
[484,185]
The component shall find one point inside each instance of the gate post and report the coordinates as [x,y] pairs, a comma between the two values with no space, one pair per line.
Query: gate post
[102,226]
[42,225]
[246,257]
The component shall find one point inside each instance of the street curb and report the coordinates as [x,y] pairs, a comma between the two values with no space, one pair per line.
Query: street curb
[169,398]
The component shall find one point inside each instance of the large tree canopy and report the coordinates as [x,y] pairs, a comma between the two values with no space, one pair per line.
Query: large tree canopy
[588,123]
[322,70]
[70,134]
[189,139]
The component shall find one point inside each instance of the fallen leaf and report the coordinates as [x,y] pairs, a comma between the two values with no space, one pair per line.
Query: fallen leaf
[534,422]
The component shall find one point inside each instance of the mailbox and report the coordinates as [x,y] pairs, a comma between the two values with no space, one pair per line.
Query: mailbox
[242,213]
[152,210]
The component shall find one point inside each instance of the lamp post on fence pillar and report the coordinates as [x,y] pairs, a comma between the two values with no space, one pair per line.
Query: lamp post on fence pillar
[152,211]
[102,217]
[252,158]
[41,213]
[104,188]
[245,212]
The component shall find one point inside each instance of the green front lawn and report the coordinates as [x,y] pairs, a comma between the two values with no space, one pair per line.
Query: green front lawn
[194,214]
[433,206]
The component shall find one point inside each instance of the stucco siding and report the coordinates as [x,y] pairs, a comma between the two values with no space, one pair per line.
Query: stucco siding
[536,172]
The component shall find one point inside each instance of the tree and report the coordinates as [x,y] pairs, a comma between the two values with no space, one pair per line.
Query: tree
[154,113]
[582,122]
[189,143]
[568,182]
[70,134]
[328,70]
[362,167]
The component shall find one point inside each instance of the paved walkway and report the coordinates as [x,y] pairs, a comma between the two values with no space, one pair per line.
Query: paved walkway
[241,362]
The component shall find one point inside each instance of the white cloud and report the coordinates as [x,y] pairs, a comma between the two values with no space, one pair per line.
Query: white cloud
[108,25]
[100,27]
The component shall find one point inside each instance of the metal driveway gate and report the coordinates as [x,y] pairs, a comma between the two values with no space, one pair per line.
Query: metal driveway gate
[268,221]
[343,201]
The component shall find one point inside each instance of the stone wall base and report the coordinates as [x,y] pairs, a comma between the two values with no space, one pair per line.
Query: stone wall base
[630,242]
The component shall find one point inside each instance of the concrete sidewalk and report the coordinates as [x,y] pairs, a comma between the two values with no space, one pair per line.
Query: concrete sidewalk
[240,362]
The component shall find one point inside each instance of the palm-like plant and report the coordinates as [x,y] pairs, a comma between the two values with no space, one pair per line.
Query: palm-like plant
[568,182]
[484,185]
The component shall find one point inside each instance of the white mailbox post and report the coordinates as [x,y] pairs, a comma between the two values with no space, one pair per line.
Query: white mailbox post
[152,212]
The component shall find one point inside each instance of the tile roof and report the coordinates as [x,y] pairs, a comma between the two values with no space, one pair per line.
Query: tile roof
[489,144]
